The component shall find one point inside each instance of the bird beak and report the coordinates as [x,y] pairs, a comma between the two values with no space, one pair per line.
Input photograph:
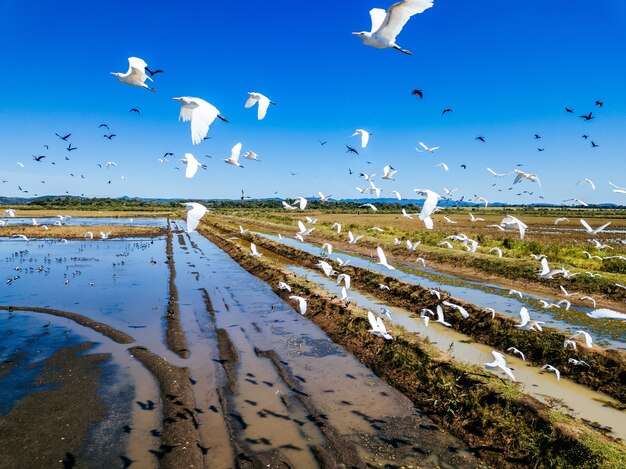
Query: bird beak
[356,34]
[177,99]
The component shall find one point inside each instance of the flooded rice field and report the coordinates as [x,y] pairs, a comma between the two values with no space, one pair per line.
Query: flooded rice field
[607,333]
[85,360]
[572,398]
[87,221]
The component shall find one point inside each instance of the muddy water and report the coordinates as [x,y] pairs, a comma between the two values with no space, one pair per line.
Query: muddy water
[605,332]
[292,387]
[570,397]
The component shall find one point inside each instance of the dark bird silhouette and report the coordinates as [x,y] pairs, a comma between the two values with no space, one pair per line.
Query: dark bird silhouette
[64,138]
[168,154]
[594,144]
[351,150]
[153,73]
[203,449]
[588,117]
[292,173]
[540,149]
[71,148]
[135,110]
[38,158]
[110,136]
[322,143]
[571,111]
[464,166]
[482,139]
[349,171]
[585,137]
[46,147]
[418,93]
[446,110]
[599,103]
[103,125]
[148,405]
[126,462]
[537,136]
[127,429]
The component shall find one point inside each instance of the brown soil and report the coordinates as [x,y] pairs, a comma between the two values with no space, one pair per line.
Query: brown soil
[78,232]
[506,428]
[42,429]
[174,334]
[113,334]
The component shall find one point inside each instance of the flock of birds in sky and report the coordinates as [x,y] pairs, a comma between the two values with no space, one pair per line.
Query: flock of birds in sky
[386,26]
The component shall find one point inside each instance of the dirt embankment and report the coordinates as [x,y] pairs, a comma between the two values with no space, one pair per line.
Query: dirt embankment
[174,334]
[80,232]
[607,370]
[505,427]
[47,428]
[104,329]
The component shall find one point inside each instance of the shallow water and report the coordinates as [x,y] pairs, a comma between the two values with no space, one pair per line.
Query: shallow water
[605,332]
[576,400]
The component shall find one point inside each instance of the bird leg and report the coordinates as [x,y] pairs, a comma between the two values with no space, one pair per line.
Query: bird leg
[404,51]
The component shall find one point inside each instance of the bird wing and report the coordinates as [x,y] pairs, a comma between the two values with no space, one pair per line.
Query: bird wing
[301,226]
[545,268]
[586,225]
[251,101]
[398,15]
[525,317]
[194,215]
[601,228]
[264,103]
[192,165]
[137,69]
[201,118]
[234,152]
[372,320]
[378,17]
[381,255]
[365,137]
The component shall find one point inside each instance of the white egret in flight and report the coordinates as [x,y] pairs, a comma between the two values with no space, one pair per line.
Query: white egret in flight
[382,259]
[264,103]
[387,25]
[195,213]
[192,165]
[429,206]
[234,156]
[500,362]
[136,74]
[200,113]
[365,136]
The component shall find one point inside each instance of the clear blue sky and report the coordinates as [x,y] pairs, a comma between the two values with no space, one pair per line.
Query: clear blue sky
[507,69]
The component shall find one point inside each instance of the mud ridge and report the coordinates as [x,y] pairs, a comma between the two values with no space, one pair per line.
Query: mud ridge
[104,329]
[180,440]
[174,334]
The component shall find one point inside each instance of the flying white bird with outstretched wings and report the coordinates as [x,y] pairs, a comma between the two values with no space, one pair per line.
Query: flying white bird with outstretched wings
[500,362]
[365,136]
[136,74]
[264,103]
[195,213]
[200,113]
[382,259]
[192,165]
[386,25]
[429,206]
